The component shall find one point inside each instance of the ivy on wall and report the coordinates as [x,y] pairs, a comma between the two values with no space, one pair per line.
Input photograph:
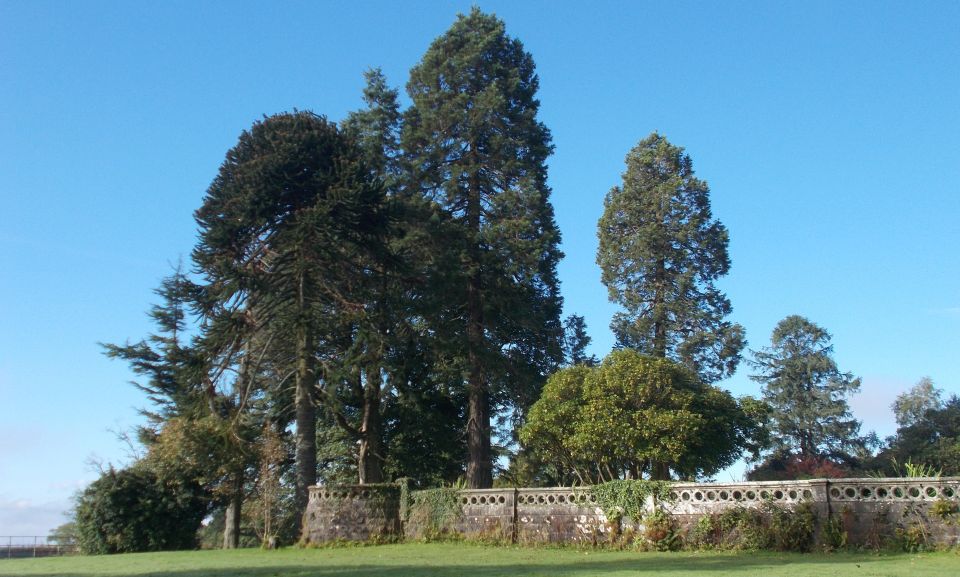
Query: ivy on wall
[435,511]
[628,498]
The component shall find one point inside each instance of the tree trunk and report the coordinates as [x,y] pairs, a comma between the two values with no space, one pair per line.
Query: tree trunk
[479,463]
[371,449]
[659,471]
[231,525]
[659,318]
[306,412]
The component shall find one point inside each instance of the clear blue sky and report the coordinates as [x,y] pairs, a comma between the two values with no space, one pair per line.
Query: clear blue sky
[827,131]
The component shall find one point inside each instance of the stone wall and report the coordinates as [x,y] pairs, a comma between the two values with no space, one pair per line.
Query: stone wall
[352,513]
[869,509]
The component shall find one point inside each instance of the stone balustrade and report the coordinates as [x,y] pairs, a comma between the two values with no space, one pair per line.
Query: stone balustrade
[573,515]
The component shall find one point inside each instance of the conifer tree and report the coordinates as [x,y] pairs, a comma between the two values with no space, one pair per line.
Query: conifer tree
[475,148]
[286,228]
[807,392]
[575,342]
[661,253]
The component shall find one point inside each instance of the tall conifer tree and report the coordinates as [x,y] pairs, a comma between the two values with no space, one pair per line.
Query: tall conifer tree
[286,228]
[476,149]
[661,251]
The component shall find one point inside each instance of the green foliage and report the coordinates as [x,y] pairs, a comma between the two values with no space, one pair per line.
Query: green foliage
[909,469]
[65,534]
[628,498]
[919,523]
[434,511]
[834,534]
[749,528]
[928,446]
[633,412]
[742,528]
[912,406]
[477,153]
[553,422]
[704,534]
[792,529]
[661,253]
[133,510]
[575,342]
[807,392]
[915,529]
[944,509]
[424,416]
[660,531]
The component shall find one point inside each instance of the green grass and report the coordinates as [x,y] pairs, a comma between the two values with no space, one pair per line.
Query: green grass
[455,560]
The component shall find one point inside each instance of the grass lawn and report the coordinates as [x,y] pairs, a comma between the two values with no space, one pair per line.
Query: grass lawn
[455,560]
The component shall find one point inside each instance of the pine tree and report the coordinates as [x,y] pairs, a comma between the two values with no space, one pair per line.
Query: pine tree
[475,148]
[660,252]
[807,392]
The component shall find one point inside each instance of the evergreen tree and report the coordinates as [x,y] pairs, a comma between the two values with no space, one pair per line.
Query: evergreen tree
[202,382]
[286,229]
[575,342]
[807,393]
[376,128]
[660,252]
[169,366]
[476,149]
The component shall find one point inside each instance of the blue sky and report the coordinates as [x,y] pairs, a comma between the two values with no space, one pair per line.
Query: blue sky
[827,132]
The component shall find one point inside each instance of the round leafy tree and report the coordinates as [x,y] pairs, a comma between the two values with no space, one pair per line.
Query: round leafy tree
[636,416]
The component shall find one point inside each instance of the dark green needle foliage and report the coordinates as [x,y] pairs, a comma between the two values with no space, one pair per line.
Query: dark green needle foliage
[376,128]
[661,253]
[807,393]
[475,148]
[290,223]
[575,342]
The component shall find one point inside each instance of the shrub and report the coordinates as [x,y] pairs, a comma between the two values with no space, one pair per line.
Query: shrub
[834,534]
[133,510]
[742,528]
[660,531]
[768,527]
[705,534]
[792,529]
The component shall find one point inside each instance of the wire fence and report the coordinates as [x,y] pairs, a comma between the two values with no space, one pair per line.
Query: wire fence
[19,546]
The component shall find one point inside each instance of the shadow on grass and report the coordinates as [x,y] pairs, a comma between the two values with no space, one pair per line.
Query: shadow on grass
[636,565]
